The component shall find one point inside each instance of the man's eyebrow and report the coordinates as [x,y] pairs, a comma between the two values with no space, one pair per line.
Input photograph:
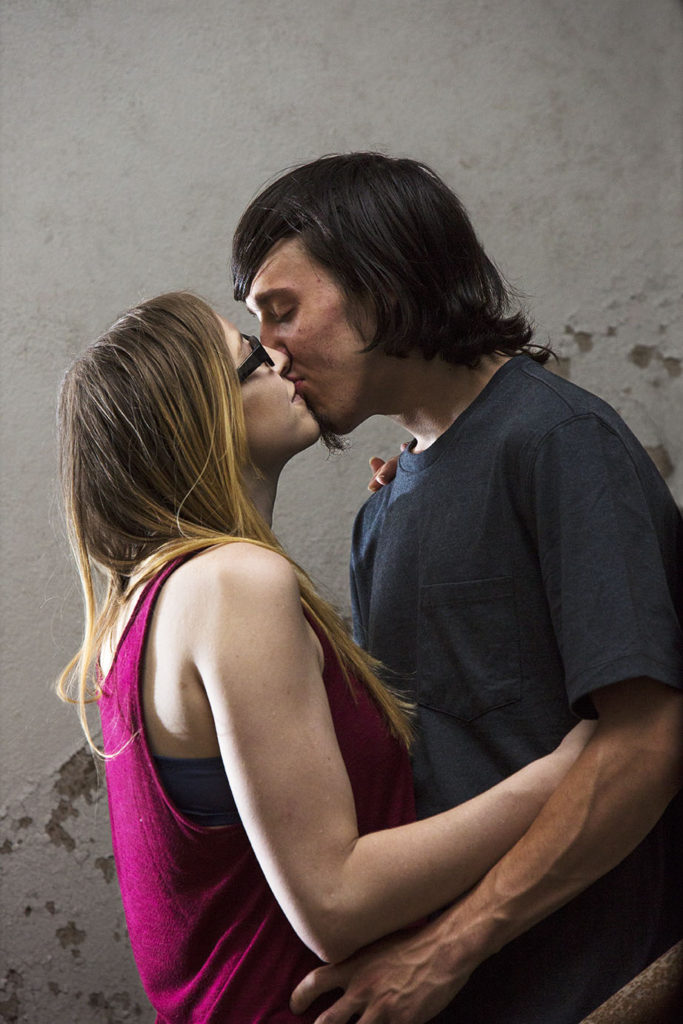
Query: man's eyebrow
[261,299]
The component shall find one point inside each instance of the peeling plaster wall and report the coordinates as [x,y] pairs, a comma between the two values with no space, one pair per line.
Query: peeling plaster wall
[132,137]
[65,951]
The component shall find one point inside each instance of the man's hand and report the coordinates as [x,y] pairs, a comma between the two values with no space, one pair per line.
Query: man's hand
[610,799]
[404,979]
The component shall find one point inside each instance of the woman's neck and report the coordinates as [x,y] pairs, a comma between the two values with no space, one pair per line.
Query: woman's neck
[262,489]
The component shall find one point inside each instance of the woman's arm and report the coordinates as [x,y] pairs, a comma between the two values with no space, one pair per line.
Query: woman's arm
[259,662]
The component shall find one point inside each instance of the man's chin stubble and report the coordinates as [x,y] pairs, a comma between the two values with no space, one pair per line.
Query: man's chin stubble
[328,438]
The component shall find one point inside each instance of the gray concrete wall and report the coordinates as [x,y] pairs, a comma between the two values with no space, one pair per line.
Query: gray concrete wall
[133,134]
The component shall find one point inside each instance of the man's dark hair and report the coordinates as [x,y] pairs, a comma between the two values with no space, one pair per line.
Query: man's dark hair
[399,243]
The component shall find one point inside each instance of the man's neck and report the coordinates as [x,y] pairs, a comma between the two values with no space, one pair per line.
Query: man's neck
[432,394]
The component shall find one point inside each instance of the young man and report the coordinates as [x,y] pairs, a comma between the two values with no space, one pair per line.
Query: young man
[522,568]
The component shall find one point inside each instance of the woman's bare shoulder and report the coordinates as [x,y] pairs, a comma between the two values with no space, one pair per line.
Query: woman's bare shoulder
[231,574]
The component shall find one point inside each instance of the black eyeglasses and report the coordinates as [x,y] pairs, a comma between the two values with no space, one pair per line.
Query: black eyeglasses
[253,361]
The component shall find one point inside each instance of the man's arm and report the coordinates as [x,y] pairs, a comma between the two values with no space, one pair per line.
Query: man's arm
[608,802]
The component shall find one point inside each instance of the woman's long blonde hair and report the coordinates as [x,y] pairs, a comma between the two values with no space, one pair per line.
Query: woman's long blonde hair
[152,453]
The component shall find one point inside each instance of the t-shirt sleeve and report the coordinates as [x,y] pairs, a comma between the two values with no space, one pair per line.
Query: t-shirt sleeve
[360,632]
[602,561]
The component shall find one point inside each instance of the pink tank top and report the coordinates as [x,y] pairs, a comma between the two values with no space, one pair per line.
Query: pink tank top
[209,939]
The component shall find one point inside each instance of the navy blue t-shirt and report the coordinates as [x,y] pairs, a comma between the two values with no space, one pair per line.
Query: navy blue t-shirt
[529,556]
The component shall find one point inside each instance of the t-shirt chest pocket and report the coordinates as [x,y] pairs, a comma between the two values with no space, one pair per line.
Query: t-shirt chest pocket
[468,657]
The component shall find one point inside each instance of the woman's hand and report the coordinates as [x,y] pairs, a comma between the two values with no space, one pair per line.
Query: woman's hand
[539,779]
[383,472]
[572,745]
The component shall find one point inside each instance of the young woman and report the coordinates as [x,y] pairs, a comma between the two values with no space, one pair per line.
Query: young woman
[257,768]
